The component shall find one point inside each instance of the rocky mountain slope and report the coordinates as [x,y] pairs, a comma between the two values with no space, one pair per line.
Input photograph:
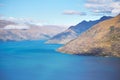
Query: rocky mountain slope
[103,39]
[13,31]
[74,31]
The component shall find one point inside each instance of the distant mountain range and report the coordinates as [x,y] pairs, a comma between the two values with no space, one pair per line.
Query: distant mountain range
[102,39]
[4,23]
[11,30]
[74,31]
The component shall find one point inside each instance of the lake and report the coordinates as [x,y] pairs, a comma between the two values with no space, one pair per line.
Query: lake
[34,60]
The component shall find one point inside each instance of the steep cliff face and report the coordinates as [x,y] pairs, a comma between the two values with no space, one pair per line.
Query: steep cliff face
[102,39]
[74,31]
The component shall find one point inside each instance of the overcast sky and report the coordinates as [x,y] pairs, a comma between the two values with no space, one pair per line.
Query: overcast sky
[59,12]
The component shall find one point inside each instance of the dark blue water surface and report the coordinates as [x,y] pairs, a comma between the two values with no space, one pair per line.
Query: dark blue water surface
[34,60]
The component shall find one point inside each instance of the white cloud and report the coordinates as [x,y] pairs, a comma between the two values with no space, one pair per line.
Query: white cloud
[104,6]
[116,7]
[101,11]
[116,0]
[98,1]
[73,12]
[23,20]
[16,27]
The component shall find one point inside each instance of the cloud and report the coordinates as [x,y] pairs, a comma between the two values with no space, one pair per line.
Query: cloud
[73,12]
[23,20]
[104,6]
[116,0]
[102,11]
[16,27]
[1,15]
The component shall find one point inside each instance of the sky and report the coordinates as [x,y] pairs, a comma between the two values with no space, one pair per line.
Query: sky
[59,12]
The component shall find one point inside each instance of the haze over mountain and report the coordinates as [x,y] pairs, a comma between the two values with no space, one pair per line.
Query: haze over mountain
[103,39]
[15,30]
[74,31]
[4,23]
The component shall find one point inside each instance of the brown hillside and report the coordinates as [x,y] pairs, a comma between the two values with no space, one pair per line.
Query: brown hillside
[102,39]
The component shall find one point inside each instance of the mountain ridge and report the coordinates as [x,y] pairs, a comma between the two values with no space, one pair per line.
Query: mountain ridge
[16,31]
[103,39]
[74,31]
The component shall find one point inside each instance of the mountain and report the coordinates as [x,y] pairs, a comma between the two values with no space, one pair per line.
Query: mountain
[74,31]
[15,30]
[4,23]
[103,39]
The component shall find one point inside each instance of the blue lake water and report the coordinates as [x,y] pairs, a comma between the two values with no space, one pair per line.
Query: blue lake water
[34,60]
